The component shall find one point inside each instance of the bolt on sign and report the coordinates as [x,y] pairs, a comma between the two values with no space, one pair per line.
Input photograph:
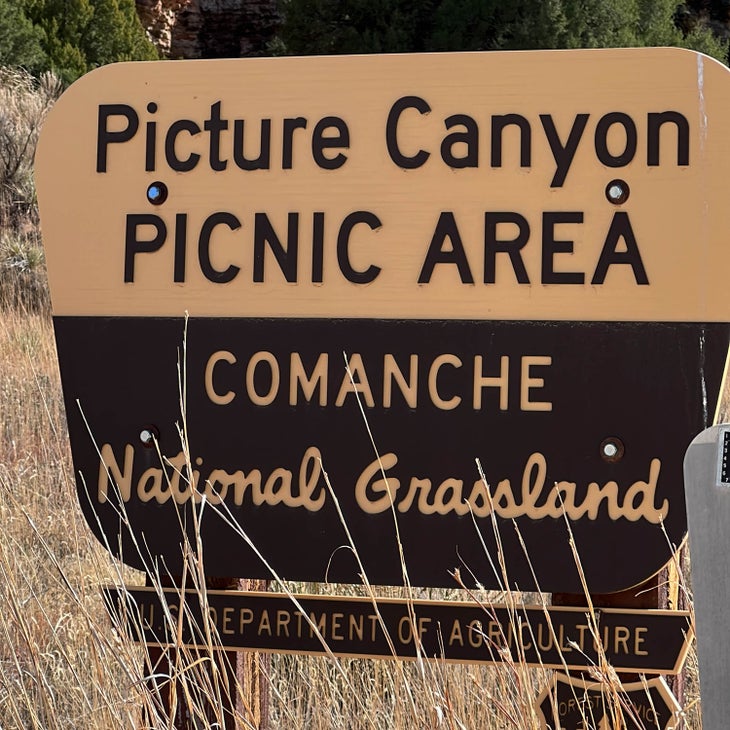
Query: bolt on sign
[522,257]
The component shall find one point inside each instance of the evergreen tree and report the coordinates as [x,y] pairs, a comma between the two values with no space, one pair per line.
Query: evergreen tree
[359,26]
[598,24]
[469,25]
[20,41]
[115,34]
[78,35]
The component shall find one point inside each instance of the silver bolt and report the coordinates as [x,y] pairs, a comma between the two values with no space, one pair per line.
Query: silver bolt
[615,192]
[610,450]
[146,436]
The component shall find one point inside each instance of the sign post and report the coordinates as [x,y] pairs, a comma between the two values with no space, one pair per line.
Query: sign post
[231,686]
[707,488]
[521,257]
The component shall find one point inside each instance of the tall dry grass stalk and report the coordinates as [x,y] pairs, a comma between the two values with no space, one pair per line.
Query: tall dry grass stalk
[54,672]
[63,665]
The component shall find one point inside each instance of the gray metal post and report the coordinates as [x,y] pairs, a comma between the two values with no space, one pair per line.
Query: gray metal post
[707,492]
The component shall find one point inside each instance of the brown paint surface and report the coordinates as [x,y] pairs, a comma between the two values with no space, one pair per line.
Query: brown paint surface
[652,642]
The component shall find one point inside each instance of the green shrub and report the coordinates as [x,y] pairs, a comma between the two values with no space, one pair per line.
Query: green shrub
[76,36]
[24,103]
[20,40]
[23,279]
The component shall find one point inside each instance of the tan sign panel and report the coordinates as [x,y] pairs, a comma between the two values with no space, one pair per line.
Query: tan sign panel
[469,186]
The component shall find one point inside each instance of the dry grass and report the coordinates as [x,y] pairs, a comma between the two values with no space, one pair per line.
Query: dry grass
[24,103]
[23,279]
[63,666]
[51,670]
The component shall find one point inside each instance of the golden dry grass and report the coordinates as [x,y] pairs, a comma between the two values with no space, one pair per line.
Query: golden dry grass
[63,666]
[51,672]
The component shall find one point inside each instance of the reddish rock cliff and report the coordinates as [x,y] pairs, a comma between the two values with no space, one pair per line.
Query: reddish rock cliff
[210,28]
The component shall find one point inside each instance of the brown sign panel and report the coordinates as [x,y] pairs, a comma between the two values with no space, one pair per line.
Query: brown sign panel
[644,641]
[521,255]
[574,704]
[262,462]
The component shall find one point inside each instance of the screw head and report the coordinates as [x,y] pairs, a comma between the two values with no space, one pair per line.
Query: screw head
[148,435]
[617,192]
[157,193]
[612,449]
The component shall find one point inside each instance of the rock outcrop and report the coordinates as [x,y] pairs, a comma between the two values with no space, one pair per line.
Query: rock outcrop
[210,28]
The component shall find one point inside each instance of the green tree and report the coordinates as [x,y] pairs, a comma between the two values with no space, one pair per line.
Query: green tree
[597,24]
[20,41]
[358,26]
[115,34]
[702,40]
[78,35]
[526,24]
[469,25]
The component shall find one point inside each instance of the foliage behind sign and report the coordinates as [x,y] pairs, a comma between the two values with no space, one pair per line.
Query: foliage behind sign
[521,256]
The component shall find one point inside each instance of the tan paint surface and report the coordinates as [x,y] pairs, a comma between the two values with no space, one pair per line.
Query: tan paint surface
[679,214]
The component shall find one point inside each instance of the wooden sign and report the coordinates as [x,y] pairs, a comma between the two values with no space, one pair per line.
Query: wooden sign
[574,704]
[522,257]
[707,489]
[560,637]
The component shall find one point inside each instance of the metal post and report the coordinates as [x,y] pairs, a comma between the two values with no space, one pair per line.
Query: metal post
[707,491]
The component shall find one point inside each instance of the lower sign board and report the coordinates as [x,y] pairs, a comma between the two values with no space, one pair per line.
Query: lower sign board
[575,704]
[561,637]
